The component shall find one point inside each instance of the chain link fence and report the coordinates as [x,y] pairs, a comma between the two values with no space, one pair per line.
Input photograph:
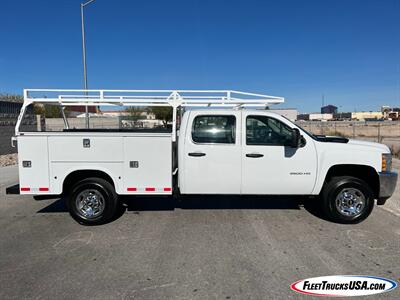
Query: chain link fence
[386,132]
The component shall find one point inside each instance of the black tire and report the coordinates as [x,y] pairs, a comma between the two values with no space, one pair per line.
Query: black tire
[350,185]
[99,188]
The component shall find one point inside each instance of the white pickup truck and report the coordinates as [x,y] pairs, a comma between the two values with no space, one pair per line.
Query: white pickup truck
[223,148]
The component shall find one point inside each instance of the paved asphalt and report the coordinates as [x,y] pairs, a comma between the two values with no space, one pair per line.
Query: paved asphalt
[206,248]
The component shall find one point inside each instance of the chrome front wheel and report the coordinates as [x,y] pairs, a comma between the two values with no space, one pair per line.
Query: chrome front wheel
[347,199]
[350,202]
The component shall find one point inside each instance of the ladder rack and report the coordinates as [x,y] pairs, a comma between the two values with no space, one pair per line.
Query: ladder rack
[172,98]
[123,98]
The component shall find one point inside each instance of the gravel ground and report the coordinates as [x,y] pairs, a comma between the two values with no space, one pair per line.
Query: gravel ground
[204,248]
[8,159]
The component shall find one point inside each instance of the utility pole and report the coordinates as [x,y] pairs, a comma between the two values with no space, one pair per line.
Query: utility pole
[84,58]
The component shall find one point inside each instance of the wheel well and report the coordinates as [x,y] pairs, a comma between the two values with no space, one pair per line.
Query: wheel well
[365,173]
[79,175]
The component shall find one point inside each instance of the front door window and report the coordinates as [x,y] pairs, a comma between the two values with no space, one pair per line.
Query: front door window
[263,130]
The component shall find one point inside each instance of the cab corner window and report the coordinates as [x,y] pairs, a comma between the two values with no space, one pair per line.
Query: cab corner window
[263,130]
[214,129]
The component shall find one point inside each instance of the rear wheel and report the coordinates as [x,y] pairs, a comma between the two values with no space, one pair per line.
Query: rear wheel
[92,201]
[347,199]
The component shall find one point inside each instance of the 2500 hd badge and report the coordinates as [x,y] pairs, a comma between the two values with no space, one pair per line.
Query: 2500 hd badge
[300,173]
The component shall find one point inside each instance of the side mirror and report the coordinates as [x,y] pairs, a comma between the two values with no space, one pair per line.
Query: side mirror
[296,138]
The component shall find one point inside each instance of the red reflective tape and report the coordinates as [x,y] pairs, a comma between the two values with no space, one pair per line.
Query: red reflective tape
[167,189]
[43,189]
[150,189]
[131,189]
[25,189]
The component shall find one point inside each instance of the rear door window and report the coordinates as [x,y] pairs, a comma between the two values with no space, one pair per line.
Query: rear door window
[214,129]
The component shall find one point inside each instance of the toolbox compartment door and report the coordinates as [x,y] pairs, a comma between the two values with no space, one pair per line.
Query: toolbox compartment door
[33,164]
[147,165]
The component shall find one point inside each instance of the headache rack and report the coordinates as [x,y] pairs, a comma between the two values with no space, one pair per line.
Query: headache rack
[121,98]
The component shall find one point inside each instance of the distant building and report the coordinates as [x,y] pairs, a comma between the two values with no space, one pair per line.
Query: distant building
[390,113]
[289,113]
[80,109]
[118,113]
[393,115]
[321,117]
[329,109]
[367,115]
[303,117]
[342,116]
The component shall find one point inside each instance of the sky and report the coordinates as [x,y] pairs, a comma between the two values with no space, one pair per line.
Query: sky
[346,50]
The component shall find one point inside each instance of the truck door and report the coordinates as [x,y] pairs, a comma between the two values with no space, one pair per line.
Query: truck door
[270,167]
[212,153]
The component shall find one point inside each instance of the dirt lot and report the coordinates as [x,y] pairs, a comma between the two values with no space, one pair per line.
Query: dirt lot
[204,248]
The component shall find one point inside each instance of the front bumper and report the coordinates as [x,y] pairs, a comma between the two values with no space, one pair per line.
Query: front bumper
[387,184]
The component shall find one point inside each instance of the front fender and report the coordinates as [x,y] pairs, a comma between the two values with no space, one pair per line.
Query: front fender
[333,155]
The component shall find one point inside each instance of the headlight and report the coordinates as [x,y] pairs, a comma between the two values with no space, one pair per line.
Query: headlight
[386,162]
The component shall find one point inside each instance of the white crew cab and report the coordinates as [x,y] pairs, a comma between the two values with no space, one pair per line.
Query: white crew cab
[222,146]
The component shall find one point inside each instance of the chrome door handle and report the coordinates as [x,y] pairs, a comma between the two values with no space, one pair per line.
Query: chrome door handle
[254,155]
[196,154]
